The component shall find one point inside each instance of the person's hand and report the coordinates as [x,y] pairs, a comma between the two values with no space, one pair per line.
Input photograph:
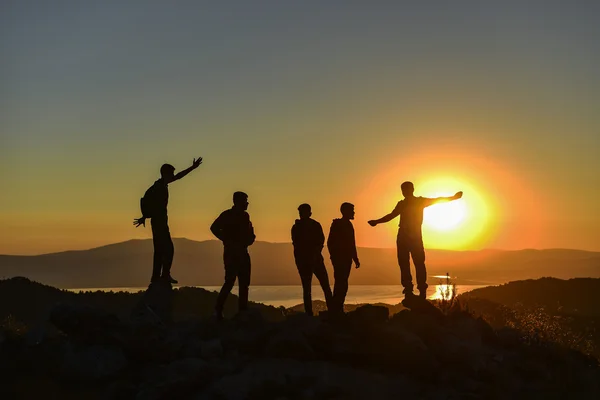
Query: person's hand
[197,161]
[372,222]
[357,263]
[139,221]
[458,195]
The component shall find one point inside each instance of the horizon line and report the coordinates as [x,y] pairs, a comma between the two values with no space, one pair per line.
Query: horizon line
[271,242]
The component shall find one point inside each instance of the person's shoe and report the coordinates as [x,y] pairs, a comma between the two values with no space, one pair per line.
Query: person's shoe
[170,280]
[155,279]
[408,299]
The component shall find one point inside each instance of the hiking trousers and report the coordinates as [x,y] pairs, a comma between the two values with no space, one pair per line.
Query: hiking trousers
[163,248]
[408,247]
[307,266]
[237,266]
[341,273]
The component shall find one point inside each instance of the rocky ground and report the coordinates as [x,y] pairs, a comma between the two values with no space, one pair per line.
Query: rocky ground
[364,354]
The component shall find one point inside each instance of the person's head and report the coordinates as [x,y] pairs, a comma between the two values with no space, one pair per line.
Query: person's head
[407,189]
[347,210]
[167,172]
[304,211]
[240,200]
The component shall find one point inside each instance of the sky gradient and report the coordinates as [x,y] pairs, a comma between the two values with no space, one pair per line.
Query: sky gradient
[292,102]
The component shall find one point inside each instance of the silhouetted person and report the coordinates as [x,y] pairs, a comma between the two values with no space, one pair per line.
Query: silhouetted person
[234,229]
[410,240]
[308,240]
[154,206]
[342,251]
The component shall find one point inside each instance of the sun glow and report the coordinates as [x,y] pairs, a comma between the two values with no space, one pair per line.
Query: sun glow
[445,216]
[482,216]
[454,224]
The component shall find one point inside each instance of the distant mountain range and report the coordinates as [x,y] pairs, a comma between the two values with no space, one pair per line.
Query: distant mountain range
[129,264]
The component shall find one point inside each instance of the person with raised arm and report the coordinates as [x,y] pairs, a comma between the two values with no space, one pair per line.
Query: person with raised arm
[410,239]
[154,206]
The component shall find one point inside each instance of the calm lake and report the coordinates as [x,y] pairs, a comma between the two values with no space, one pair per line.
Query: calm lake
[289,296]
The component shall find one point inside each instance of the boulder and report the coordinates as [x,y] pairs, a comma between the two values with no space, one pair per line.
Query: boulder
[368,315]
[395,348]
[88,325]
[92,363]
[289,344]
[210,349]
[180,379]
[156,305]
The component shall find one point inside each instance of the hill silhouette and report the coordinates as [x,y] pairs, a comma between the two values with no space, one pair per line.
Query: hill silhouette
[30,302]
[128,264]
[561,311]
[92,353]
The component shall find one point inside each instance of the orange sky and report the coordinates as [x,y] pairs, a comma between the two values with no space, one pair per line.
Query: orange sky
[300,102]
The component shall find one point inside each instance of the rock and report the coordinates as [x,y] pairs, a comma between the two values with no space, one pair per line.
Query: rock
[509,337]
[466,328]
[301,322]
[92,363]
[156,305]
[423,306]
[210,349]
[396,348]
[248,337]
[120,390]
[154,343]
[368,315]
[205,349]
[289,344]
[89,325]
[180,379]
[488,334]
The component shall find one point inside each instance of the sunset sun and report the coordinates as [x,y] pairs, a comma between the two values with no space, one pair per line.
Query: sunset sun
[445,216]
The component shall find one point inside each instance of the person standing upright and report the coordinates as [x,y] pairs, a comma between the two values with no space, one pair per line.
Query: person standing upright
[154,206]
[308,240]
[410,239]
[341,244]
[234,229]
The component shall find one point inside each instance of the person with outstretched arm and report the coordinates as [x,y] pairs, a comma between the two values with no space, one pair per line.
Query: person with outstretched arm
[154,206]
[341,244]
[308,240]
[234,229]
[410,240]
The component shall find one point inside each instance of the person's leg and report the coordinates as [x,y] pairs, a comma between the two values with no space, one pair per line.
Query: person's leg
[305,272]
[418,256]
[403,252]
[341,272]
[321,273]
[244,280]
[158,257]
[168,256]
[230,277]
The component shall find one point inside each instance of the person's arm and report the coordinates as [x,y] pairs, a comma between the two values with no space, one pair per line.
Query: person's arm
[252,237]
[321,237]
[139,221]
[294,234]
[217,228]
[195,164]
[331,239]
[355,252]
[395,212]
[435,200]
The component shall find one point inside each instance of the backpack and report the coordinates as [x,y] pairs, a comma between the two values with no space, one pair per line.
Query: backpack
[148,203]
